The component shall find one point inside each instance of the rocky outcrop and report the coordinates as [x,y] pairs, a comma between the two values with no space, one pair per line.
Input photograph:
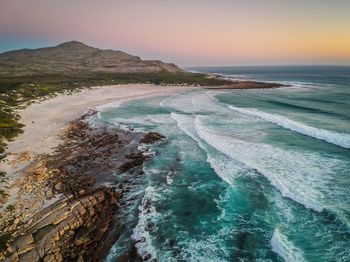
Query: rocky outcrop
[247,85]
[73,228]
[68,202]
[151,138]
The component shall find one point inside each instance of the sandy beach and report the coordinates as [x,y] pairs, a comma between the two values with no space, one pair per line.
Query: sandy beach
[44,120]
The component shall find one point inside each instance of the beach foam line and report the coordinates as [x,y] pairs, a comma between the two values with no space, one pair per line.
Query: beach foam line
[109,105]
[178,102]
[284,248]
[339,139]
[199,102]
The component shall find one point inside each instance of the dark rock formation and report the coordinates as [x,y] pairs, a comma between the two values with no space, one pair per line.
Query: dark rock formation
[248,85]
[151,137]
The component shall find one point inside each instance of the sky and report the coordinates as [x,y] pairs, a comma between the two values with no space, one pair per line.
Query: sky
[187,32]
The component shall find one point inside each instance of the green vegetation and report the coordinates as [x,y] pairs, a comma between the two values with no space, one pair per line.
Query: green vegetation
[3,193]
[4,240]
[17,92]
[3,177]
[10,208]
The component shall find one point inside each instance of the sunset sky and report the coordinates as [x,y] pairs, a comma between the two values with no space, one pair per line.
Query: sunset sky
[187,32]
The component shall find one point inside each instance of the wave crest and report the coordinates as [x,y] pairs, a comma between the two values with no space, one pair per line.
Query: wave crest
[284,248]
[339,139]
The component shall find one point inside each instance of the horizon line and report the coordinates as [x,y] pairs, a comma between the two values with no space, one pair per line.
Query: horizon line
[291,64]
[271,65]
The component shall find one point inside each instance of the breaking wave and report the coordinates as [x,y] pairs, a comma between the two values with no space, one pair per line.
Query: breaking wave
[338,139]
[301,177]
[227,169]
[285,249]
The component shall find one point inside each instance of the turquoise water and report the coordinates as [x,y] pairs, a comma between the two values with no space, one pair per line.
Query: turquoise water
[255,175]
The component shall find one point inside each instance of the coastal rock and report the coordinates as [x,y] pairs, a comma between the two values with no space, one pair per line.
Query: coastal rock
[151,138]
[55,232]
[247,85]
[81,222]
[24,244]
[16,221]
[59,187]
[135,161]
[49,194]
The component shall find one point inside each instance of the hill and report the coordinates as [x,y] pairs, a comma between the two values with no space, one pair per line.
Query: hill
[73,58]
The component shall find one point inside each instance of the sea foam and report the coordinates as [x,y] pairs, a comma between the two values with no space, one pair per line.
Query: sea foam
[285,248]
[179,102]
[302,177]
[335,138]
[140,233]
[109,105]
[198,102]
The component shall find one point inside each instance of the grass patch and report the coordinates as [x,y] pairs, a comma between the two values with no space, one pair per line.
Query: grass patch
[3,193]
[10,208]
[4,239]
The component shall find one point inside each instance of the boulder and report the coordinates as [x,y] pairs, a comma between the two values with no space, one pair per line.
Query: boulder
[59,187]
[49,194]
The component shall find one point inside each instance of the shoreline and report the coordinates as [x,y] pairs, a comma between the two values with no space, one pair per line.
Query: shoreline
[44,120]
[54,113]
[37,177]
[30,178]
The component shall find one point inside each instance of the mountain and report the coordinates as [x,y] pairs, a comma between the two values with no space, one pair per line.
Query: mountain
[73,58]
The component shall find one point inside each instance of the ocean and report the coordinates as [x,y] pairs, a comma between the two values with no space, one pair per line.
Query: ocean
[243,175]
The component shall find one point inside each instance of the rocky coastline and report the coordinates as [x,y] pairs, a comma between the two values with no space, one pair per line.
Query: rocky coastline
[68,202]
